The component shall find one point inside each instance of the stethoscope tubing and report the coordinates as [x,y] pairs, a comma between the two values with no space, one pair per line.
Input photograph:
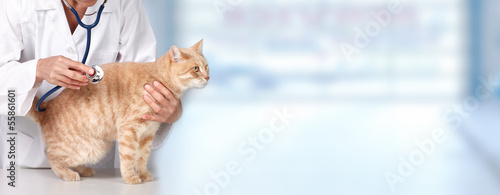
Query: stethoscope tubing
[87,48]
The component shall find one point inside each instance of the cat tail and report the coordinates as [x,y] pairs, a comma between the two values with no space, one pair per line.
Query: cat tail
[34,114]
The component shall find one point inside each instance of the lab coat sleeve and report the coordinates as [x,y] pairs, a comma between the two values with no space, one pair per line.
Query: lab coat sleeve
[138,44]
[15,75]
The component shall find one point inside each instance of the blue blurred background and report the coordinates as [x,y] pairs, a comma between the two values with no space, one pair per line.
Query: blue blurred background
[400,102]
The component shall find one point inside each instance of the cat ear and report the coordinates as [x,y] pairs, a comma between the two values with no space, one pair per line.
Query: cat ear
[198,46]
[175,54]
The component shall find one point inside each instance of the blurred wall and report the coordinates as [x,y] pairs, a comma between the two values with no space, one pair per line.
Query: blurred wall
[363,82]
[298,49]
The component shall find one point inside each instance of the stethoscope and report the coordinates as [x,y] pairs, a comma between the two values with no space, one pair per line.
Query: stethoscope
[98,71]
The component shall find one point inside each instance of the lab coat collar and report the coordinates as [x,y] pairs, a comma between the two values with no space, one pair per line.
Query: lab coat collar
[54,11]
[52,5]
[108,8]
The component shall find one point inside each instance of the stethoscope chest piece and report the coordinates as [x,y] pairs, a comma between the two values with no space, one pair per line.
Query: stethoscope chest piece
[98,74]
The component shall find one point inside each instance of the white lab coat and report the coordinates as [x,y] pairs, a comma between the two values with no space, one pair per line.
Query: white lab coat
[35,29]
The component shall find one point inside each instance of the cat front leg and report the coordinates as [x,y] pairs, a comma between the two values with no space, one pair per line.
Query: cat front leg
[128,146]
[64,172]
[84,171]
[142,158]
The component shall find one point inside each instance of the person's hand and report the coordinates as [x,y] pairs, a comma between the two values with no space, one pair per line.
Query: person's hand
[168,109]
[59,70]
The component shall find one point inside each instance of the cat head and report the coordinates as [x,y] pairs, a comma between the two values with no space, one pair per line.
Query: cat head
[188,66]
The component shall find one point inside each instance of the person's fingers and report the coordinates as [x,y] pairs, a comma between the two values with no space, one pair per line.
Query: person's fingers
[71,69]
[75,87]
[152,118]
[156,108]
[77,70]
[62,75]
[166,93]
[57,77]
[79,66]
[63,84]
[66,82]
[75,75]
[72,81]
[156,95]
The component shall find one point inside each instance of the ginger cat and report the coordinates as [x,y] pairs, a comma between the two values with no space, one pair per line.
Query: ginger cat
[112,110]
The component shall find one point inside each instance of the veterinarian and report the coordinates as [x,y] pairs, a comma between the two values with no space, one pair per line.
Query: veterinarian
[42,45]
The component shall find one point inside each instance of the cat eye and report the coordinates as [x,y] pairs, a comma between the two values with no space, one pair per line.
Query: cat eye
[196,68]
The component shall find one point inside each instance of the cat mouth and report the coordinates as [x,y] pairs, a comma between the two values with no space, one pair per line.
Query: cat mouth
[200,84]
[204,83]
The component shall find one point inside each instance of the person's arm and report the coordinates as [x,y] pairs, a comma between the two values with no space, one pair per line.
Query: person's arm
[15,76]
[22,79]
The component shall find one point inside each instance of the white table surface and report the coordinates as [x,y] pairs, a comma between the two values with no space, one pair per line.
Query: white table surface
[105,181]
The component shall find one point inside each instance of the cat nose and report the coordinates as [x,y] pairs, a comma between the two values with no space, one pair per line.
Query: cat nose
[206,78]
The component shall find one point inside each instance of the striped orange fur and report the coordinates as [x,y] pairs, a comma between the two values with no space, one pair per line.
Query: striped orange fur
[80,126]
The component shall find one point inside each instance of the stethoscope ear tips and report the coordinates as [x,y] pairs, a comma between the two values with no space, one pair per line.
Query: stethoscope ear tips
[98,74]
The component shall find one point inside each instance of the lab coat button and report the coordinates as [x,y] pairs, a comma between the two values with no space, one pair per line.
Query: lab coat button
[71,51]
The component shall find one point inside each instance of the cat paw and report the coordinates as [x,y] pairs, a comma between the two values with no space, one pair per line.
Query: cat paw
[87,172]
[73,176]
[146,176]
[132,180]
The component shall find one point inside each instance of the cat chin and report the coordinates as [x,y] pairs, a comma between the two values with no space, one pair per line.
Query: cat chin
[202,85]
[197,84]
